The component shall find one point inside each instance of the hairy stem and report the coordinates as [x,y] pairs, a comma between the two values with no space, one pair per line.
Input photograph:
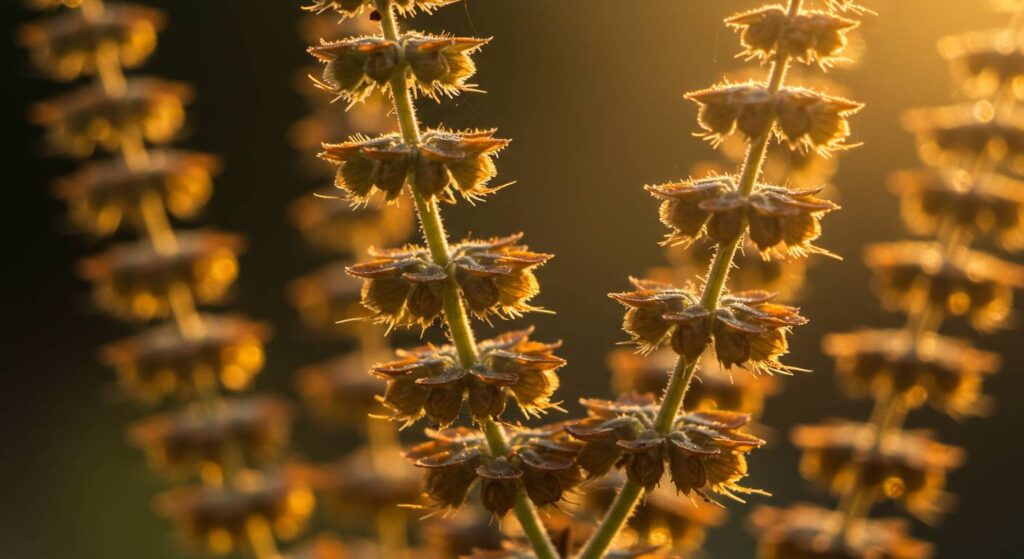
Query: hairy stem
[672,401]
[455,313]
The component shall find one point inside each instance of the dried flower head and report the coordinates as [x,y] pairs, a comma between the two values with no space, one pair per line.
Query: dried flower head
[67,45]
[217,519]
[150,109]
[541,460]
[805,118]
[704,453]
[183,442]
[991,206]
[806,532]
[961,135]
[361,484]
[496,276]
[782,222]
[135,280]
[810,37]
[329,299]
[430,380]
[907,467]
[161,362]
[911,274]
[339,391]
[352,8]
[443,162]
[746,328]
[102,195]
[984,62]
[333,225]
[946,373]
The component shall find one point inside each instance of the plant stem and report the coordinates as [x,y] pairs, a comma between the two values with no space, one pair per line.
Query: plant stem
[672,401]
[455,313]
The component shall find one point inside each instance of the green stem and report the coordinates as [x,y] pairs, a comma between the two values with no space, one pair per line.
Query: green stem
[455,313]
[672,401]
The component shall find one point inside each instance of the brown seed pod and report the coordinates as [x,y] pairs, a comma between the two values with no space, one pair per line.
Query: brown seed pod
[183,442]
[809,533]
[68,45]
[102,195]
[910,274]
[810,37]
[430,380]
[908,467]
[161,362]
[136,281]
[944,372]
[150,109]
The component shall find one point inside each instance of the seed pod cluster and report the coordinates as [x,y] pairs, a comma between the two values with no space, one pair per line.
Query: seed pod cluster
[233,447]
[802,531]
[809,37]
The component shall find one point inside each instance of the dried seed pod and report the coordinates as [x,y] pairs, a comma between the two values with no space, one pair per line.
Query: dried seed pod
[717,388]
[496,276]
[704,452]
[907,467]
[217,519]
[809,533]
[984,62]
[352,8]
[944,372]
[805,118]
[747,328]
[104,194]
[444,162]
[355,66]
[329,299]
[910,274]
[150,109]
[991,206]
[183,442]
[70,44]
[441,65]
[136,281]
[810,37]
[430,380]
[961,135]
[541,460]
[332,225]
[339,391]
[782,222]
[359,485]
[161,362]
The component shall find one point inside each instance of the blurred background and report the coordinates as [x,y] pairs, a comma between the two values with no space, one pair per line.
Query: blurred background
[590,91]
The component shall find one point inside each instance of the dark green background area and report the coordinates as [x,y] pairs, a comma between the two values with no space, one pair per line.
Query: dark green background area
[590,91]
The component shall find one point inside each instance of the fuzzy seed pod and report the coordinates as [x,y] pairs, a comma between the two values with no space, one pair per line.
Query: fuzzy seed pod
[150,109]
[985,62]
[443,163]
[909,274]
[102,195]
[68,45]
[805,118]
[704,452]
[161,362]
[959,136]
[217,519]
[441,65]
[806,532]
[782,222]
[182,442]
[810,37]
[329,299]
[430,381]
[136,281]
[541,460]
[747,328]
[909,467]
[352,8]
[944,372]
[991,206]
[404,287]
[332,225]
